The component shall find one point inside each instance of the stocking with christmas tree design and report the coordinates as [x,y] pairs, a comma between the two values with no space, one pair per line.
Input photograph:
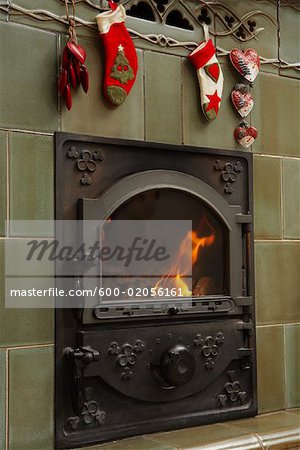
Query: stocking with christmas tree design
[210,78]
[121,63]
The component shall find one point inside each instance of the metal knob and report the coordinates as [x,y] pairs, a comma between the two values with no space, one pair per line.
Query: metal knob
[178,365]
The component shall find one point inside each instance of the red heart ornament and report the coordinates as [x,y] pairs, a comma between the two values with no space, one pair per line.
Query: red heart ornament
[246,63]
[242,99]
[77,51]
[213,71]
[245,135]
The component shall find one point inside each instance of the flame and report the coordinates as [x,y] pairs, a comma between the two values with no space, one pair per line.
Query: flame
[188,253]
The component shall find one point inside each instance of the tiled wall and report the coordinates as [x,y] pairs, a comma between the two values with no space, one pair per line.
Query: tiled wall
[163,106]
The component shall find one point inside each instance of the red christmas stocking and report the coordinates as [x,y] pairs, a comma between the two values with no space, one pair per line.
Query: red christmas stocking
[210,78]
[121,58]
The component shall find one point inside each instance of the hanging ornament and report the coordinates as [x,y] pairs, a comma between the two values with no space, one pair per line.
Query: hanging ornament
[72,72]
[245,135]
[242,99]
[121,63]
[210,76]
[246,63]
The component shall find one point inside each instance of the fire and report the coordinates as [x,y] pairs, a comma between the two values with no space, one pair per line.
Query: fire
[188,253]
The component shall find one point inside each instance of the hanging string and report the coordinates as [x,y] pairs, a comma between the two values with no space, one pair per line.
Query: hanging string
[71,20]
[112,5]
[206,31]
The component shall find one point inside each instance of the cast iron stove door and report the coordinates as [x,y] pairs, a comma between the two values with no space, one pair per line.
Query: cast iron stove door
[123,368]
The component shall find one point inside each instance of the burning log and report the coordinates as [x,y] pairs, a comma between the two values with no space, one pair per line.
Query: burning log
[204,286]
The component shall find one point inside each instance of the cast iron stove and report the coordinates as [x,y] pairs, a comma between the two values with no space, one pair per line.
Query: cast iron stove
[124,369]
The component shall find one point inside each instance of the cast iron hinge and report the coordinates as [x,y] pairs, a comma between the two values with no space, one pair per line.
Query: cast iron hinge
[86,411]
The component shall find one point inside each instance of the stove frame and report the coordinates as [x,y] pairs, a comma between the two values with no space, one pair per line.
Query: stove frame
[93,391]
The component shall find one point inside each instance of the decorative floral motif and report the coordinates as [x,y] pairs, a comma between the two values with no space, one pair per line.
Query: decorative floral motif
[126,356]
[241,33]
[126,374]
[199,340]
[73,153]
[204,17]
[228,188]
[114,349]
[252,25]
[86,161]
[209,363]
[209,347]
[86,179]
[229,20]
[229,173]
[90,414]
[233,391]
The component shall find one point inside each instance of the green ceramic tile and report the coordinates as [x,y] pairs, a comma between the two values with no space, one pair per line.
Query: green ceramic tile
[277,282]
[267,197]
[193,438]
[28,85]
[294,411]
[291,198]
[274,431]
[289,50]
[31,377]
[196,129]
[276,115]
[31,181]
[23,326]
[288,438]
[265,17]
[266,423]
[3,138]
[270,368]
[132,444]
[2,399]
[292,343]
[163,98]
[92,114]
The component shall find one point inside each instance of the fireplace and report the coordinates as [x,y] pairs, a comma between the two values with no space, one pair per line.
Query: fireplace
[127,366]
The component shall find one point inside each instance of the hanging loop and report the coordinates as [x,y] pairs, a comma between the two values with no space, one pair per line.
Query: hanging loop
[112,5]
[71,20]
[205,31]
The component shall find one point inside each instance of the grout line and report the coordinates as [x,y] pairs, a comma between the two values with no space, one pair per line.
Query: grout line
[144,91]
[259,440]
[181,99]
[269,325]
[282,224]
[7,184]
[27,347]
[285,384]
[18,130]
[48,238]
[152,439]
[6,400]
[58,97]
[276,240]
[276,156]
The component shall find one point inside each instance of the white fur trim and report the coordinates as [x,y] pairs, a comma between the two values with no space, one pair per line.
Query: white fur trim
[108,18]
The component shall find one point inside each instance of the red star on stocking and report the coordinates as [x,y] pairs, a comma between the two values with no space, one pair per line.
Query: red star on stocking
[214,101]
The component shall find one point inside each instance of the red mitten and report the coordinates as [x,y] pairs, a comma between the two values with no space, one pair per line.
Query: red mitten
[121,58]
[210,78]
